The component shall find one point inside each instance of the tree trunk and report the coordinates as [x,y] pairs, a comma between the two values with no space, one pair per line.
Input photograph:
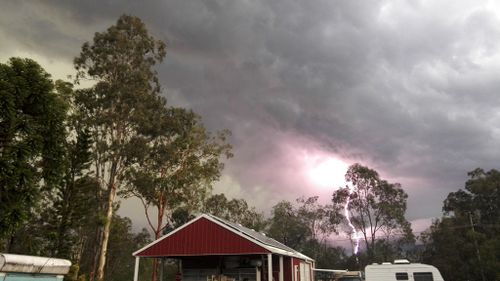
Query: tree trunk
[159,227]
[105,234]
[154,275]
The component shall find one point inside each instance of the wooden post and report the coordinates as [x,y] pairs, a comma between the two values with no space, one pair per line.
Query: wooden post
[281,269]
[136,269]
[269,267]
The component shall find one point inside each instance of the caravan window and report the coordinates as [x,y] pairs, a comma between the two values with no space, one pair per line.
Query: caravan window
[423,276]
[401,276]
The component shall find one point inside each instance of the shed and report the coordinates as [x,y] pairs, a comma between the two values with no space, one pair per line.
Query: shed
[212,249]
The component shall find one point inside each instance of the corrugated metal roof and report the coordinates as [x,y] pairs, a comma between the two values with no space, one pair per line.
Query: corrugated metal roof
[203,237]
[256,235]
[251,235]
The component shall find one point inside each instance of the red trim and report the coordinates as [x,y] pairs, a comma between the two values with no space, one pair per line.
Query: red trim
[296,262]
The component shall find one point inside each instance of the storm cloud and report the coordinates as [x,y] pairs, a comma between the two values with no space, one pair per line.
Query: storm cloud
[408,88]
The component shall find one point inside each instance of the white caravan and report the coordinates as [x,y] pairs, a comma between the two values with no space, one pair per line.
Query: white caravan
[32,268]
[402,270]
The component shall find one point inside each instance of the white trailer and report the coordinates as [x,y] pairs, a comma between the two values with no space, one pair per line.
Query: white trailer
[32,268]
[402,270]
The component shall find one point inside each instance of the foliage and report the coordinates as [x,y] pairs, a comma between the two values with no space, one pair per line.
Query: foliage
[375,206]
[72,203]
[327,256]
[60,222]
[287,227]
[176,165]
[322,220]
[31,133]
[118,106]
[123,242]
[465,244]
[180,216]
[234,210]
[306,228]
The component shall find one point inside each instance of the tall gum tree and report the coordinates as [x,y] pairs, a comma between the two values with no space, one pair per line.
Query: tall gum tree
[174,165]
[376,206]
[120,61]
[177,162]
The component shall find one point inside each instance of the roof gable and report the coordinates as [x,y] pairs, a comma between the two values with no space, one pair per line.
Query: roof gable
[211,235]
[200,237]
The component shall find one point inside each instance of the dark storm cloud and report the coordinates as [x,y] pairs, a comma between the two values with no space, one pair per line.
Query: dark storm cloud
[406,87]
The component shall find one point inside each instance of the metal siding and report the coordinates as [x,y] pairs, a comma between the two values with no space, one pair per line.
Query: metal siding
[296,262]
[202,237]
[287,269]
[276,268]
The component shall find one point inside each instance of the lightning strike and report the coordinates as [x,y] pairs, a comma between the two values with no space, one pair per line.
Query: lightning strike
[355,233]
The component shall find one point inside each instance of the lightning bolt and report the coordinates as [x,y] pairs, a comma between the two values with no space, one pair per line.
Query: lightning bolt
[355,233]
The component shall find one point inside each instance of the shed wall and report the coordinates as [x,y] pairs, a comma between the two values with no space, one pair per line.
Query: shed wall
[287,269]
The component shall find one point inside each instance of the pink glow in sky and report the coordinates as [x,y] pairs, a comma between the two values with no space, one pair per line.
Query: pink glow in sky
[325,171]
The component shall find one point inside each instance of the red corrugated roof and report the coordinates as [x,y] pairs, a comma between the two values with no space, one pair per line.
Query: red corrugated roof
[210,235]
[201,237]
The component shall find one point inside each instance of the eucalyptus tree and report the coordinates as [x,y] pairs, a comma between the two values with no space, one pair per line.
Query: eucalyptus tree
[175,165]
[305,226]
[176,162]
[32,134]
[286,226]
[234,210]
[120,62]
[376,207]
[322,220]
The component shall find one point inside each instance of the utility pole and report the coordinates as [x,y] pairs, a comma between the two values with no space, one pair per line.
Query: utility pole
[477,247]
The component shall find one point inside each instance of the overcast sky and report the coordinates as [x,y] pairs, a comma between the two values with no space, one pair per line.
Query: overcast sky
[409,88]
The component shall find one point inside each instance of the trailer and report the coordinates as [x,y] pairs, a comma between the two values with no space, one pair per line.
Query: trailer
[402,270]
[336,275]
[29,268]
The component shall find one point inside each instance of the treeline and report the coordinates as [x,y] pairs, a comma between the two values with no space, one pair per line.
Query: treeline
[465,243]
[68,153]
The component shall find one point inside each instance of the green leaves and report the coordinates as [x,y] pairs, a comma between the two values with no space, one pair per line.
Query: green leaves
[288,227]
[64,154]
[120,104]
[176,163]
[465,243]
[32,134]
[141,147]
[234,210]
[307,227]
[376,206]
